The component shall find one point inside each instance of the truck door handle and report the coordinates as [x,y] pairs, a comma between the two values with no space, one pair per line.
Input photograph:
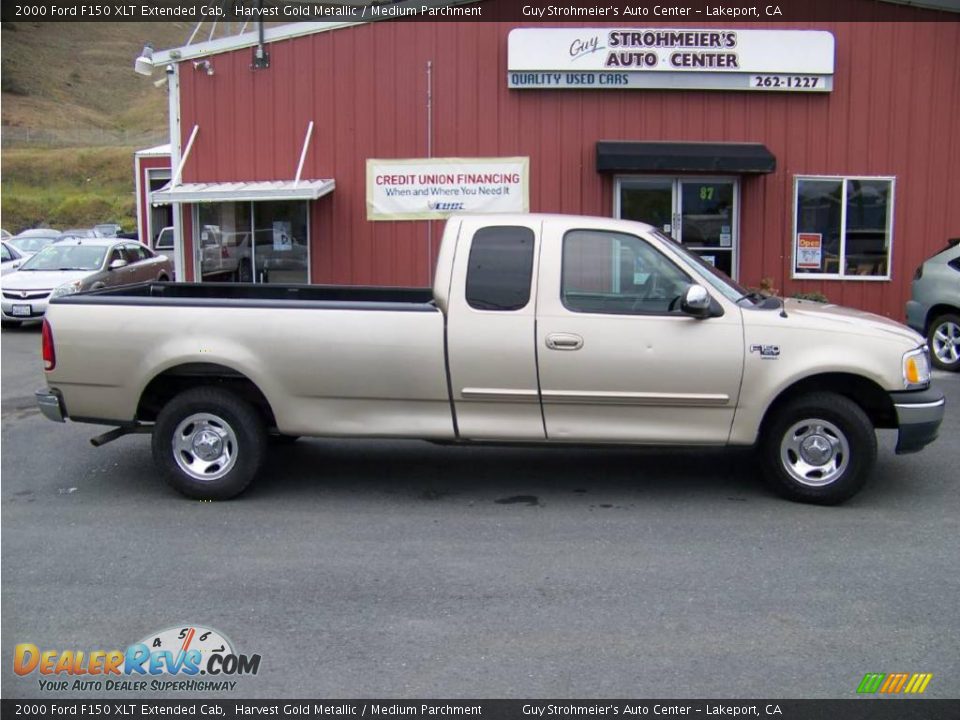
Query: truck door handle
[564,341]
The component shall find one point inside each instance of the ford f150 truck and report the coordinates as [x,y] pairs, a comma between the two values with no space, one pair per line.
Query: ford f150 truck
[542,329]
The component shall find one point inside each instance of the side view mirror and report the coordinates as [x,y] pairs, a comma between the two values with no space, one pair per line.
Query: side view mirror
[696,302]
[117,264]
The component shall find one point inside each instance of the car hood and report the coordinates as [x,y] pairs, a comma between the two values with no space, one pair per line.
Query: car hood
[42,279]
[844,319]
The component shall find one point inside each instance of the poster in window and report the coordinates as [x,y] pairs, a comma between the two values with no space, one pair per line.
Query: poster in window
[282,236]
[809,251]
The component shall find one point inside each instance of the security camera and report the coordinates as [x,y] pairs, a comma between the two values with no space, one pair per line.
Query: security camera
[144,64]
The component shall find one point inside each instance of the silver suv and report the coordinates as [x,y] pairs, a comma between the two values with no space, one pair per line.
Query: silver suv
[934,306]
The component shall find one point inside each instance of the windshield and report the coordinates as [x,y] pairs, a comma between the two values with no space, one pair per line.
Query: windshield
[67,257]
[717,279]
[31,244]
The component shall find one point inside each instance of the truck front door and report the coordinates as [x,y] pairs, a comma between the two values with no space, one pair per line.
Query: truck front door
[618,362]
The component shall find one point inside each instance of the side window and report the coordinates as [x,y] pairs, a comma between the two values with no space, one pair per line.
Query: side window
[136,252]
[5,253]
[116,254]
[606,272]
[500,268]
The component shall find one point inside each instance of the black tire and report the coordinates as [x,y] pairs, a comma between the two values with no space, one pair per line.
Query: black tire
[240,451]
[825,425]
[943,330]
[163,278]
[10,324]
[281,439]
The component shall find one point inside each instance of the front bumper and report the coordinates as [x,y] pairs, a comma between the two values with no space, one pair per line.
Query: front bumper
[919,414]
[50,403]
[35,307]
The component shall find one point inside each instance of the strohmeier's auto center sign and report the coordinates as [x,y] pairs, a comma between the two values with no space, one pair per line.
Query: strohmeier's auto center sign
[667,58]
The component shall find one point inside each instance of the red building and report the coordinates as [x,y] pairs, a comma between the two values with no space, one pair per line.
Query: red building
[841,188]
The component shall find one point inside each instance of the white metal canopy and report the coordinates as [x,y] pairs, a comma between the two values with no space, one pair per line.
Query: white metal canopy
[243,191]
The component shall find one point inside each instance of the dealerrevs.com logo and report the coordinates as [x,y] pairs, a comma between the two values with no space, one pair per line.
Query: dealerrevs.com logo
[188,658]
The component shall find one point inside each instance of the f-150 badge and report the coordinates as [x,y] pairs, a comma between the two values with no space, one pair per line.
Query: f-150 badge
[767,352]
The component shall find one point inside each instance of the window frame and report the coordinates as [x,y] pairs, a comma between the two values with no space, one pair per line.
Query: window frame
[638,313]
[841,273]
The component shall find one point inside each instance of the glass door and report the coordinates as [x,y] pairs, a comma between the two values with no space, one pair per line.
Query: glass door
[706,220]
[700,213]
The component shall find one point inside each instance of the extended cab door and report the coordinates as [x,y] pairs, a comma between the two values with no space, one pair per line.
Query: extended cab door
[618,361]
[491,317]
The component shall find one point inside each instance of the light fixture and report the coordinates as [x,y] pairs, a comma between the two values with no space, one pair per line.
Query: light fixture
[204,65]
[144,64]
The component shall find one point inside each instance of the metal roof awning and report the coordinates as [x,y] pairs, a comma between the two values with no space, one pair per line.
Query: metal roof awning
[243,191]
[700,157]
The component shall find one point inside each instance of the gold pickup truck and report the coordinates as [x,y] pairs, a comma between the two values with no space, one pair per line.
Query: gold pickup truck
[539,329]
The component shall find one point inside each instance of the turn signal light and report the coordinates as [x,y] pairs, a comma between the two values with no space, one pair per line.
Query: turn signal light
[46,340]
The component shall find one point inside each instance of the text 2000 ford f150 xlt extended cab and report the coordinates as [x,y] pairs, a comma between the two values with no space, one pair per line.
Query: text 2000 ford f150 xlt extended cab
[539,329]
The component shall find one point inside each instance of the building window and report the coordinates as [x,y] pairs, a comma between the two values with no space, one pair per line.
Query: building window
[843,228]
[500,268]
[605,272]
[264,242]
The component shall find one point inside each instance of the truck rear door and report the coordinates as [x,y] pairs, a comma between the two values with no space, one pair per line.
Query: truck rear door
[491,321]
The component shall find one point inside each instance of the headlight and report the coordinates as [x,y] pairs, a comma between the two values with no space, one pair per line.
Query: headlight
[66,289]
[916,368]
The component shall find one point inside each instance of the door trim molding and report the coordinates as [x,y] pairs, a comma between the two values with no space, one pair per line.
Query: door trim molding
[565,397]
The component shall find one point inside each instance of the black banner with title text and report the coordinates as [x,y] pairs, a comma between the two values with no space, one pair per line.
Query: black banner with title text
[855,709]
[620,11]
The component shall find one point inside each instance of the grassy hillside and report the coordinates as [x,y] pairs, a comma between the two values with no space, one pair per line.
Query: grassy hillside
[66,86]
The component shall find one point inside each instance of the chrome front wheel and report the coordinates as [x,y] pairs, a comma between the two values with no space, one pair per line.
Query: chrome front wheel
[818,447]
[814,452]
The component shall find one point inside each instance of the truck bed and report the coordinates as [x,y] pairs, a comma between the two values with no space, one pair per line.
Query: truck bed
[228,294]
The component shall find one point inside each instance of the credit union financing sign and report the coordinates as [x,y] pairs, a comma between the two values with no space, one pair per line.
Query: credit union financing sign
[674,59]
[436,188]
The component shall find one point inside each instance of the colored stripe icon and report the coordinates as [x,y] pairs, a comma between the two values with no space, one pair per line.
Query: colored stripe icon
[893,683]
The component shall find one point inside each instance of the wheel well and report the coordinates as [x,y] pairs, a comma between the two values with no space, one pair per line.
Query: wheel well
[873,399]
[936,311]
[173,381]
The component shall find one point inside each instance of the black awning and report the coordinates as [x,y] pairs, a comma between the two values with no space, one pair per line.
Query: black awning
[620,156]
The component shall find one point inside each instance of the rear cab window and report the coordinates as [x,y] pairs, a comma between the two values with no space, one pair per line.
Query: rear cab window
[500,268]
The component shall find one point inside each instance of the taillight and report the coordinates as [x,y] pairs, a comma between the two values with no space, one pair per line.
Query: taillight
[49,354]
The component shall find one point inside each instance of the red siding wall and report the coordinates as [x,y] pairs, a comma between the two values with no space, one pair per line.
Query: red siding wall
[893,111]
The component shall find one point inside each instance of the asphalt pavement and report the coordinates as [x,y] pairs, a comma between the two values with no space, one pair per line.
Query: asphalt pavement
[404,569]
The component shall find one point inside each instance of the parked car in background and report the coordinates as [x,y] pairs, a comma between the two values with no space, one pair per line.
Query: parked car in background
[70,266]
[934,305]
[12,259]
[33,241]
[107,230]
[164,246]
[78,233]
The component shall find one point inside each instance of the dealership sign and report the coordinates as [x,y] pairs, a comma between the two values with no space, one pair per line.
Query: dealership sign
[436,188]
[675,59]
